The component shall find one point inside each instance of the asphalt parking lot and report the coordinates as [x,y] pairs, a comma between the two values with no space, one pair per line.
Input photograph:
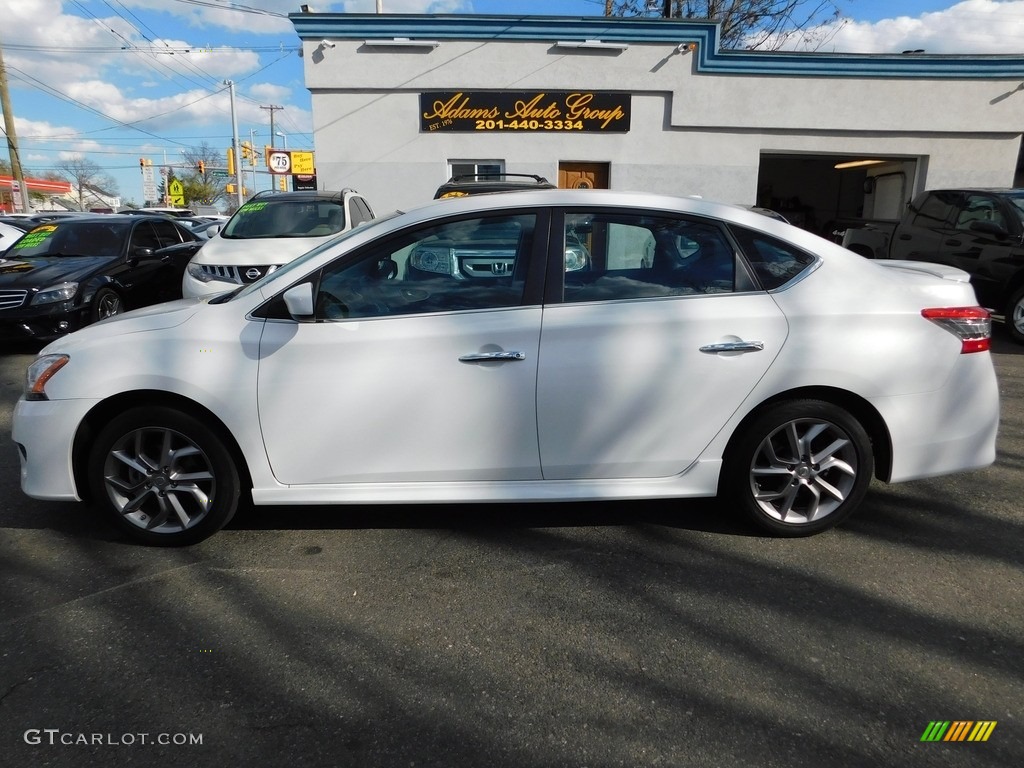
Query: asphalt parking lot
[650,634]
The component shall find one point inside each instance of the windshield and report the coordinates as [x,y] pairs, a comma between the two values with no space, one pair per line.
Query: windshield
[286,218]
[71,238]
[1017,203]
[299,263]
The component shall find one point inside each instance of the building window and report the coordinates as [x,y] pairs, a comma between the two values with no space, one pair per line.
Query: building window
[473,167]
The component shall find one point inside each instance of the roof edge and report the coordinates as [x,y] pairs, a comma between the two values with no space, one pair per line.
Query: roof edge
[705,34]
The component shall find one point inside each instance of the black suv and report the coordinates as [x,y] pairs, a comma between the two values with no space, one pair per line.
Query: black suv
[478,183]
[981,231]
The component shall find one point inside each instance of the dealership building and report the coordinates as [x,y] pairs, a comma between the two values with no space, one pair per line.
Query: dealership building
[402,102]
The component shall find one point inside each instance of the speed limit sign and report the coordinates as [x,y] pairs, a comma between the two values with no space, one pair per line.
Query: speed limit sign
[279,162]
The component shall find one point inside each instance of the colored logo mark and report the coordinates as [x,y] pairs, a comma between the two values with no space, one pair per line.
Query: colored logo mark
[958,730]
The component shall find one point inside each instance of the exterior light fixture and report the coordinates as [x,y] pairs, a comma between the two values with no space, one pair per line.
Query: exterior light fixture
[402,42]
[591,44]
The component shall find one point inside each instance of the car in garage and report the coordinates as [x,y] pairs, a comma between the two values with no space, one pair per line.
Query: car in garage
[68,272]
[702,350]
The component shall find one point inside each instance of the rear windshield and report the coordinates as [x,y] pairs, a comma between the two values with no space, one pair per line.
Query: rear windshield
[286,218]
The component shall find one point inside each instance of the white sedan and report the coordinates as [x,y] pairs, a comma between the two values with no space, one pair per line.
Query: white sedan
[530,346]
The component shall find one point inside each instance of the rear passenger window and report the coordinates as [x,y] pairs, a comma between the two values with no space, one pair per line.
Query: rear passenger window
[774,262]
[621,256]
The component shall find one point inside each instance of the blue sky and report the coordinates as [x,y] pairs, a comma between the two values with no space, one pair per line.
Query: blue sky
[116,80]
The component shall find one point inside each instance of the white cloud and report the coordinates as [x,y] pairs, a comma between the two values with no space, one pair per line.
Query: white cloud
[969,27]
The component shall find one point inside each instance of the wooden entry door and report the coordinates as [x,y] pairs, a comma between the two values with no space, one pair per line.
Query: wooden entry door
[583,175]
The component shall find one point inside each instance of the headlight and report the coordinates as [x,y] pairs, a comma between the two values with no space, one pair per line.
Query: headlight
[55,293]
[437,260]
[576,258]
[41,371]
[196,271]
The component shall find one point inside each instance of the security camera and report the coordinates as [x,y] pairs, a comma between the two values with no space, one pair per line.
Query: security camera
[327,44]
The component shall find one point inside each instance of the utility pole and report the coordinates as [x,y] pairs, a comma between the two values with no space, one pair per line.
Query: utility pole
[272,108]
[237,147]
[12,139]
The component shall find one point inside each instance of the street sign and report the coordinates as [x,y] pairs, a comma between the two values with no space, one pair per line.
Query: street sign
[219,174]
[19,206]
[176,192]
[149,187]
[279,162]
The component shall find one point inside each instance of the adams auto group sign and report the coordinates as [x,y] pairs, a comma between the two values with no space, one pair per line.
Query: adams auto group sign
[473,111]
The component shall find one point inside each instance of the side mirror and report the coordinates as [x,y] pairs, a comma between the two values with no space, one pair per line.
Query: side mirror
[142,253]
[989,228]
[299,301]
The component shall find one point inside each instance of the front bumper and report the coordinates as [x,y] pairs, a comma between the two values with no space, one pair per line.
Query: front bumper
[44,323]
[44,431]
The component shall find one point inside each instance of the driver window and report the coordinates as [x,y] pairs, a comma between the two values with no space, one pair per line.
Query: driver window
[979,208]
[465,264]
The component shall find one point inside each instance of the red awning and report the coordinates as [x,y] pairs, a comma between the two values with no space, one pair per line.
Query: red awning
[44,186]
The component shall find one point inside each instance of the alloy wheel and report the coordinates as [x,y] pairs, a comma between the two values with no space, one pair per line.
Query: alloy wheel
[159,480]
[803,471]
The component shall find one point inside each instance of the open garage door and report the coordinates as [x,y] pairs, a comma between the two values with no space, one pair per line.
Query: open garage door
[822,193]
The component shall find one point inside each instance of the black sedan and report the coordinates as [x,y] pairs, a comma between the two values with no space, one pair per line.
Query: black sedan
[67,273]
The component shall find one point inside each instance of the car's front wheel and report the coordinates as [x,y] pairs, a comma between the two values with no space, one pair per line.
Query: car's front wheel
[106,303]
[800,467]
[163,477]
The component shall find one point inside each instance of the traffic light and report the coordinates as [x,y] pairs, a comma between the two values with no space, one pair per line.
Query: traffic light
[201,165]
[248,153]
[142,162]
[231,161]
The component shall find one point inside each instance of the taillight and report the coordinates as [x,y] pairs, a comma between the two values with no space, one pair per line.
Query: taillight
[972,325]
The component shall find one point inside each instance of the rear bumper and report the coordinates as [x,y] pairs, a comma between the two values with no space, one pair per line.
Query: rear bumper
[948,430]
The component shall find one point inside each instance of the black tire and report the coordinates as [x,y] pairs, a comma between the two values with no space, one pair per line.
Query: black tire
[798,468]
[163,477]
[106,303]
[1013,316]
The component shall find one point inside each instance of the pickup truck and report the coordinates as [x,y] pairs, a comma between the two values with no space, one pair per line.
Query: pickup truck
[980,231]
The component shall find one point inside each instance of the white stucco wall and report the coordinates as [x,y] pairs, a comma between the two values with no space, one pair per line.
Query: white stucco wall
[691,132]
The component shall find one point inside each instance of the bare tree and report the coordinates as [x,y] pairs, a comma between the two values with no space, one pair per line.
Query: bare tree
[83,173]
[763,24]
[202,185]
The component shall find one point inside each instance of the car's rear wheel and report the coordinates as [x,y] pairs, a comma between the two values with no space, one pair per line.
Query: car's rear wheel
[1014,316]
[106,303]
[163,477]
[800,467]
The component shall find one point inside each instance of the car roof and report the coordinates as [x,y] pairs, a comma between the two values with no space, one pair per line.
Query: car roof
[306,194]
[117,218]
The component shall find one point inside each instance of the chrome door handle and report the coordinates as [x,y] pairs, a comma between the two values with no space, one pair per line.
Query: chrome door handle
[483,357]
[734,346]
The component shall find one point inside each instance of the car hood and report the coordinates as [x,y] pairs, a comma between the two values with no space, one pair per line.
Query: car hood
[43,271]
[152,318]
[255,251]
